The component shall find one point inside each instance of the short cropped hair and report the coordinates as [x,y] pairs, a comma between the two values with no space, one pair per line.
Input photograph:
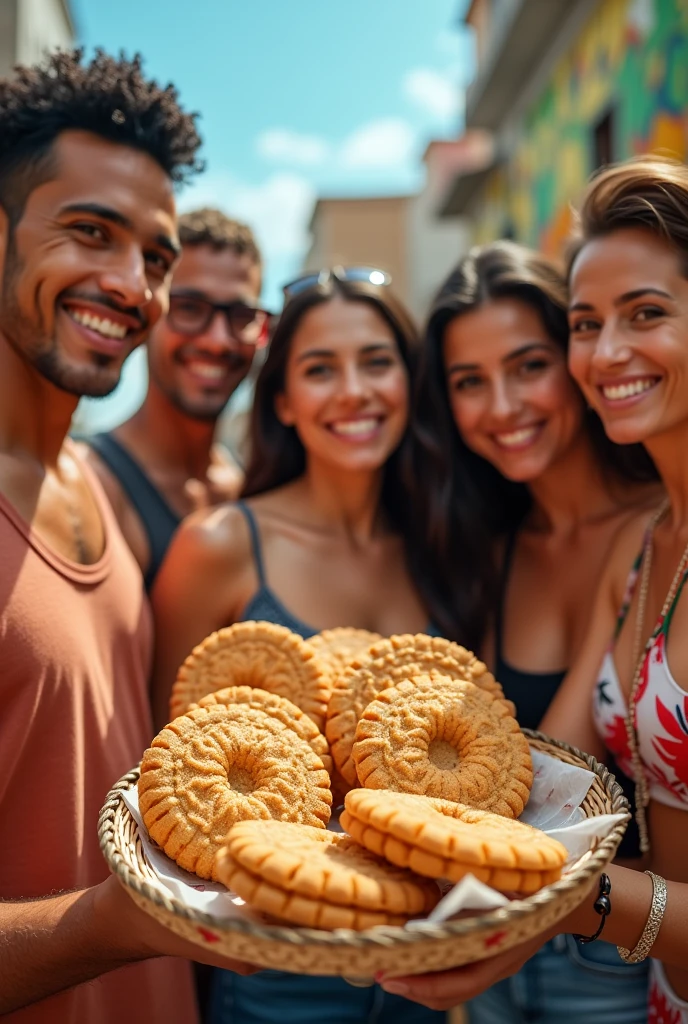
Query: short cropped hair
[208,226]
[107,96]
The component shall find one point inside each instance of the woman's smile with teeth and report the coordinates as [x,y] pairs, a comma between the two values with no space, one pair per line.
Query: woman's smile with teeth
[617,392]
[517,438]
[101,325]
[355,428]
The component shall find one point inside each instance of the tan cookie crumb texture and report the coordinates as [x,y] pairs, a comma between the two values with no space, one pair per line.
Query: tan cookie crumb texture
[337,648]
[388,662]
[442,839]
[258,654]
[277,707]
[218,765]
[444,738]
[318,878]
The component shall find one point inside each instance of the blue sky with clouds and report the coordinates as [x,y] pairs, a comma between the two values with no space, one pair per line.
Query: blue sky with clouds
[298,98]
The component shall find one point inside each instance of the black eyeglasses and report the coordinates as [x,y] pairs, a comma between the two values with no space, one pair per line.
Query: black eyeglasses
[193,314]
[371,275]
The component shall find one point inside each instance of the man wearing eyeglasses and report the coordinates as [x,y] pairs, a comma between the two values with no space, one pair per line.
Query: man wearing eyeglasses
[163,462]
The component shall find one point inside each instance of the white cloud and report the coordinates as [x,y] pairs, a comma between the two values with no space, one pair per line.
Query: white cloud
[285,146]
[387,142]
[277,209]
[434,92]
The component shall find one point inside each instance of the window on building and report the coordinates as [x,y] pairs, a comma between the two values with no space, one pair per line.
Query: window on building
[603,140]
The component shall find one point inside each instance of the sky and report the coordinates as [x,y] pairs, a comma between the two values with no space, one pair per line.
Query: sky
[297,99]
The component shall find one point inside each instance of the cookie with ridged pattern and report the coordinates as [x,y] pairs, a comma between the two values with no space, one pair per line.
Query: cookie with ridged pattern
[318,878]
[259,654]
[337,648]
[444,738]
[386,663]
[441,839]
[277,707]
[216,766]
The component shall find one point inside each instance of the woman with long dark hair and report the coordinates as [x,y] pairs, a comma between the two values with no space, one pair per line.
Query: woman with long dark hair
[316,542]
[519,494]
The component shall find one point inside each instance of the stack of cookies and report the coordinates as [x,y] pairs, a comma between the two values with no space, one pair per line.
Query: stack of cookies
[423,750]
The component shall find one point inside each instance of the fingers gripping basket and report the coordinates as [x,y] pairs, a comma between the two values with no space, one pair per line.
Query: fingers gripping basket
[426,947]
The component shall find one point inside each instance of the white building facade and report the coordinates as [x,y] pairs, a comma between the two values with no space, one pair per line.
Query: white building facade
[29,28]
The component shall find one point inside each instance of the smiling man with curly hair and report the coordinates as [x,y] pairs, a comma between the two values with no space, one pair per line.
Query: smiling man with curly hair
[90,153]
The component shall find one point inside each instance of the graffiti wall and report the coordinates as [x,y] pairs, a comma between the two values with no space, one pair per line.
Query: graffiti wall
[622,86]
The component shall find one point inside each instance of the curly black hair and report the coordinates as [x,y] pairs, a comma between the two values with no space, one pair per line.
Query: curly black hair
[106,96]
[209,226]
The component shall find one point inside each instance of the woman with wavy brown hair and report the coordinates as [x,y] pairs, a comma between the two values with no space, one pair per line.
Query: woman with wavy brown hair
[318,540]
[628,321]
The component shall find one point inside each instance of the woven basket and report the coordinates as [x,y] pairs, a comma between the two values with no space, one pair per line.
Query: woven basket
[351,954]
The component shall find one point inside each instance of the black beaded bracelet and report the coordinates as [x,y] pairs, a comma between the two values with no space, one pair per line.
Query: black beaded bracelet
[601,906]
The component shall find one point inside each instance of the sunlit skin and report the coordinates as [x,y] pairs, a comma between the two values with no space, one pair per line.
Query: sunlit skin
[97,240]
[511,395]
[628,334]
[199,374]
[346,387]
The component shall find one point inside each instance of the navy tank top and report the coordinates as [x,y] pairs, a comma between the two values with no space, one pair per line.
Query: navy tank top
[265,606]
[158,519]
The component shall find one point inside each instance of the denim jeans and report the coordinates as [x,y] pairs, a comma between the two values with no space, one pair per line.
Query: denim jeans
[275,997]
[568,983]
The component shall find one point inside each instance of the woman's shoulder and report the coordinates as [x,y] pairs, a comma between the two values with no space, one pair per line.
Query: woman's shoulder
[218,534]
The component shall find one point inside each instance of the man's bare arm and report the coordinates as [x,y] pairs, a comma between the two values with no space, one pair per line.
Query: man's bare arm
[52,944]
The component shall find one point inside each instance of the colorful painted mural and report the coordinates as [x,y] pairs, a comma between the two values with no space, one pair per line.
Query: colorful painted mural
[630,66]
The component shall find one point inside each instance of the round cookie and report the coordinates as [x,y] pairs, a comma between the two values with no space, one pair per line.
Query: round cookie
[216,766]
[318,878]
[448,739]
[393,656]
[388,662]
[257,654]
[337,648]
[277,707]
[441,839]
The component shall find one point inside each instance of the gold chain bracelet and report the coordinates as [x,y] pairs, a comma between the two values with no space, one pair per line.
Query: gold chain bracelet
[652,925]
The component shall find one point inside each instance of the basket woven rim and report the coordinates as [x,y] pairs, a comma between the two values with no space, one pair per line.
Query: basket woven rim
[381,935]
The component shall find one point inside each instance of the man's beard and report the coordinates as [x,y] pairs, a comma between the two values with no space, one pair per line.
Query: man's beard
[32,343]
[207,411]
[196,411]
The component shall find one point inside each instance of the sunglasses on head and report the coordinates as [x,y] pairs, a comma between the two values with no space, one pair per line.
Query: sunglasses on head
[193,314]
[370,275]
